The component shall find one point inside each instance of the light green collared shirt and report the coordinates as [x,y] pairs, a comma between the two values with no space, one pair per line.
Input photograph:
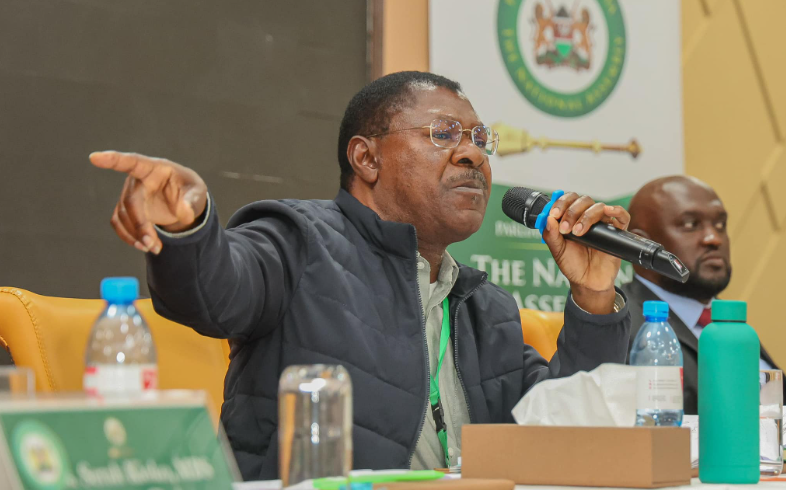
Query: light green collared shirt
[428,451]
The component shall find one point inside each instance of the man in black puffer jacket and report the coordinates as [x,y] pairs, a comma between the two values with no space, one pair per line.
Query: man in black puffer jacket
[362,280]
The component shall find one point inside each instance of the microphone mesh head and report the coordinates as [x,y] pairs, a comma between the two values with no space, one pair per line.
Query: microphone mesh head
[515,201]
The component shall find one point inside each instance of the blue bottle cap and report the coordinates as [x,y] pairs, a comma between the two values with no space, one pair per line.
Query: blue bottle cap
[656,311]
[121,290]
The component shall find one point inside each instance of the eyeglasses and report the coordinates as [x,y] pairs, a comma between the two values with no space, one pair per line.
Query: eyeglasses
[446,133]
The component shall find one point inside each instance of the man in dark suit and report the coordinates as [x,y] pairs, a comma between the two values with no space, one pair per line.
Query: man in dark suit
[687,217]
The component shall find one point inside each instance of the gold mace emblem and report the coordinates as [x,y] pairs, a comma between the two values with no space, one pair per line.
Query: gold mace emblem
[513,140]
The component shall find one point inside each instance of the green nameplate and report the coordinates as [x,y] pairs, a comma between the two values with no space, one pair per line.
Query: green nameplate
[111,445]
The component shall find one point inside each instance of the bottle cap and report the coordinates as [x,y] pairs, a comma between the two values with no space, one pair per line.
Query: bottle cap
[122,290]
[729,311]
[657,311]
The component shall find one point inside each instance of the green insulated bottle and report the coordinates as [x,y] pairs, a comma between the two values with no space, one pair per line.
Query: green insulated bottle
[729,397]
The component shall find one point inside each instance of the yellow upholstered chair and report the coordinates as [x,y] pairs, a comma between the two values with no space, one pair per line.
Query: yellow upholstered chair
[49,336]
[541,329]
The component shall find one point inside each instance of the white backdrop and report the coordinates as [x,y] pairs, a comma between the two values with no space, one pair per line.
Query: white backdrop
[632,69]
[645,102]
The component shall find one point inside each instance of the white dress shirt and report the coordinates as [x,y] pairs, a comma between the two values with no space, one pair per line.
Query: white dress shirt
[687,309]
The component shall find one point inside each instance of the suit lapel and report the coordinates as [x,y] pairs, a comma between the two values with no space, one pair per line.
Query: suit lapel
[766,356]
[684,334]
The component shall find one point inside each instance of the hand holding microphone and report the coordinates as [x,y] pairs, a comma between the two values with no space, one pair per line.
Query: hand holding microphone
[588,239]
[591,273]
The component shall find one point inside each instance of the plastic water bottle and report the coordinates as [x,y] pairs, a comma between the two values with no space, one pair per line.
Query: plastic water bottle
[657,353]
[120,357]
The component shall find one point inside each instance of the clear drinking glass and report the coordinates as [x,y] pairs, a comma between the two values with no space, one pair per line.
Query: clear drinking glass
[314,423]
[771,422]
[16,382]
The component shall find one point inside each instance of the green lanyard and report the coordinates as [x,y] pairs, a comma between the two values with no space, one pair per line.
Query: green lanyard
[436,404]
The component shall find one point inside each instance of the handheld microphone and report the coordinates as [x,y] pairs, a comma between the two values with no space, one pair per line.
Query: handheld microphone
[524,205]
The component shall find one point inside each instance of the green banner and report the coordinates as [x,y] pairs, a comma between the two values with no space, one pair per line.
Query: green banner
[517,260]
[141,448]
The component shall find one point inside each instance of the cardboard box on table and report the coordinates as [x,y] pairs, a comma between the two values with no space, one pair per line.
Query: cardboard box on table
[637,457]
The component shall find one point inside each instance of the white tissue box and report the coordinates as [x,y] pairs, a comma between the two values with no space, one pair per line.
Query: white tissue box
[634,457]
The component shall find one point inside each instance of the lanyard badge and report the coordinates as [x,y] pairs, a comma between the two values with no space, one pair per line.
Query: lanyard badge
[436,403]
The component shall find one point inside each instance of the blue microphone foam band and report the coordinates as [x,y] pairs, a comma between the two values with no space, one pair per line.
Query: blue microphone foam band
[540,222]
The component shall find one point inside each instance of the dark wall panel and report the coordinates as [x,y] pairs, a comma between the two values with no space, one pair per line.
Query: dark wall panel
[248,93]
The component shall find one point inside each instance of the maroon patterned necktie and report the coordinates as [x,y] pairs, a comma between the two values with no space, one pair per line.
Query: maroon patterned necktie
[705,318]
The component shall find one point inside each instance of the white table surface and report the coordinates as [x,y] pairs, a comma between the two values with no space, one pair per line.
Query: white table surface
[695,484]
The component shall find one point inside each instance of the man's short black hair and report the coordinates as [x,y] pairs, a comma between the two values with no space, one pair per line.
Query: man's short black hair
[371,109]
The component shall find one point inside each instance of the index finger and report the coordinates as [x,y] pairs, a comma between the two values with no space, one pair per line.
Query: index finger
[621,216]
[133,164]
[563,203]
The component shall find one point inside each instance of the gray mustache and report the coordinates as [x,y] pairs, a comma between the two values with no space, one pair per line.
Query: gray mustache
[470,175]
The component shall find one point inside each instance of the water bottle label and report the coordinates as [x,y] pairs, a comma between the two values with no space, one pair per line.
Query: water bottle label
[659,388]
[131,378]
